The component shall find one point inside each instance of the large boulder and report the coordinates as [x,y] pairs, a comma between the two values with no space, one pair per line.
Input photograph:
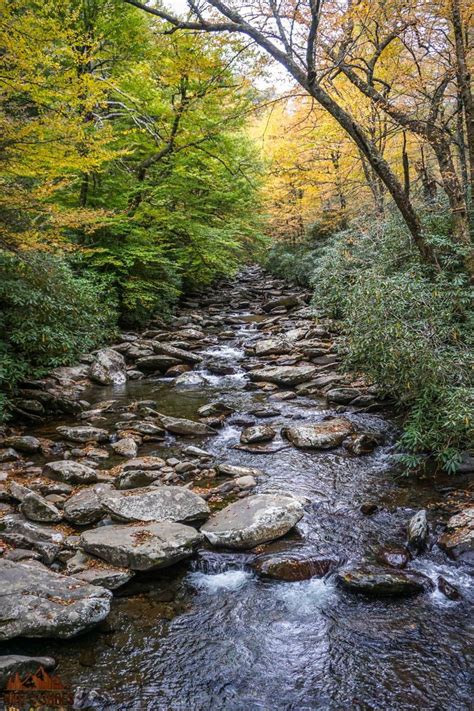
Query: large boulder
[322,435]
[287,301]
[254,520]
[142,546]
[39,603]
[292,568]
[12,664]
[458,540]
[272,346]
[108,368]
[156,363]
[84,434]
[286,375]
[155,503]
[70,472]
[382,582]
[181,426]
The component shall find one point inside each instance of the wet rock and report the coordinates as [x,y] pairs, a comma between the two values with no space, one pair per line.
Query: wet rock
[450,591]
[190,380]
[46,540]
[244,483]
[23,443]
[178,353]
[181,426]
[466,464]
[9,455]
[144,463]
[272,346]
[12,664]
[193,451]
[418,532]
[84,434]
[215,408]
[291,568]
[234,471]
[109,578]
[255,520]
[126,447]
[363,443]
[156,363]
[458,540]
[258,433]
[382,582]
[284,374]
[323,435]
[286,301]
[39,603]
[176,370]
[136,478]
[368,508]
[108,368]
[394,556]
[142,546]
[342,396]
[36,508]
[70,472]
[84,508]
[164,503]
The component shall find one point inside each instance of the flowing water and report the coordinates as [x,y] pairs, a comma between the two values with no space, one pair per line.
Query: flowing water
[210,634]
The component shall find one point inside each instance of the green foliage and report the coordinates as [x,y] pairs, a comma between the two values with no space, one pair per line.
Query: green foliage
[48,315]
[409,332]
[294,264]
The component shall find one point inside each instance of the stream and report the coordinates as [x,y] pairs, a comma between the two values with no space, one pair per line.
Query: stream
[210,633]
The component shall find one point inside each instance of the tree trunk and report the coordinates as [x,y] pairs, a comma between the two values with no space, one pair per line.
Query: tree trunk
[464,84]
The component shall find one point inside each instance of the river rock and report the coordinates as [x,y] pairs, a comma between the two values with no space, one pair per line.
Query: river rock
[292,568]
[105,577]
[84,434]
[23,443]
[235,471]
[12,664]
[108,368]
[286,301]
[70,472]
[126,447]
[323,435]
[136,478]
[342,396]
[284,374]
[181,426]
[143,463]
[84,508]
[189,380]
[215,408]
[178,353]
[257,433]
[163,503]
[254,520]
[394,556]
[46,540]
[418,532]
[36,508]
[156,363]
[448,589]
[142,546]
[382,582]
[458,540]
[272,346]
[39,603]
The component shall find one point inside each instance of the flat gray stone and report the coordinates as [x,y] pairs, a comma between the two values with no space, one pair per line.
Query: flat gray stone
[254,520]
[36,508]
[323,435]
[181,426]
[157,503]
[142,546]
[84,508]
[35,602]
[70,472]
[84,434]
[284,374]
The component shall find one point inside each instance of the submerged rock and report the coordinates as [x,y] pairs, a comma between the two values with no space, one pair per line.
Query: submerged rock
[39,603]
[291,569]
[394,556]
[382,582]
[108,368]
[142,546]
[323,435]
[450,591]
[163,503]
[254,520]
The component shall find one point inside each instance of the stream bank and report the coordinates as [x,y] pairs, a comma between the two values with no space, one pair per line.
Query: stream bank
[268,624]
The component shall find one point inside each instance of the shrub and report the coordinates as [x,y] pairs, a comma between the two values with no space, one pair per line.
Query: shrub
[48,315]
